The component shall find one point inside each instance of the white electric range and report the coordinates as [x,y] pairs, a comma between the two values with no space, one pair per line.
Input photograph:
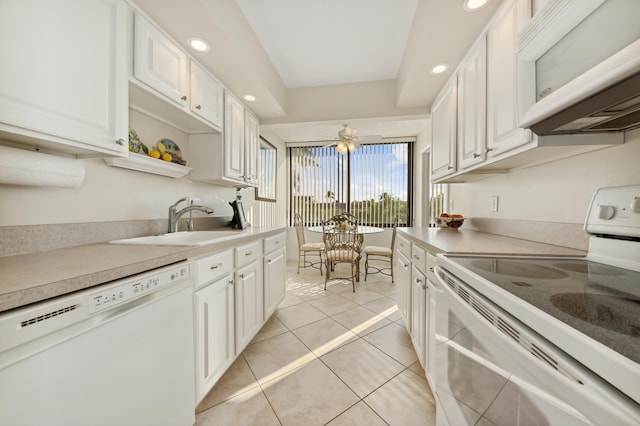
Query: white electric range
[545,340]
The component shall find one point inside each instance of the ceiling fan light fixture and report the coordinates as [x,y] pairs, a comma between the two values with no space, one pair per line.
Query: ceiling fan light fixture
[351,146]
[342,148]
[473,5]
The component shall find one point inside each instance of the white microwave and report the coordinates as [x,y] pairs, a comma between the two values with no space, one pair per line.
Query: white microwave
[578,68]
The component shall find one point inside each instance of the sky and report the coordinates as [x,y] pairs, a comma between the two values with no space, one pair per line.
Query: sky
[375,169]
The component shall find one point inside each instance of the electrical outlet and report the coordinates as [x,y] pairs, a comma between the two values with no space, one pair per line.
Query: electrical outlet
[494,203]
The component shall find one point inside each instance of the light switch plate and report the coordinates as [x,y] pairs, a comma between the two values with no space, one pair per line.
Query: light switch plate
[494,203]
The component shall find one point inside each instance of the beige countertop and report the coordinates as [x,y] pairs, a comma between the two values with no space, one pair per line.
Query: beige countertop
[33,277]
[464,241]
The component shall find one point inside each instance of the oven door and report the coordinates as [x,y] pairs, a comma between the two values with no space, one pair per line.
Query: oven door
[493,369]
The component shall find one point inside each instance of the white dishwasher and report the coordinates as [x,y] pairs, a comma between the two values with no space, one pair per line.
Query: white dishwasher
[118,354]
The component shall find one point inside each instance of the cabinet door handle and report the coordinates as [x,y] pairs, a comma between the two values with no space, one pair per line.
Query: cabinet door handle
[231,282]
[476,155]
[249,253]
[405,265]
[269,261]
[215,266]
[545,92]
[198,107]
[183,97]
[449,167]
[241,275]
[277,242]
[120,142]
[415,256]
[431,269]
[488,150]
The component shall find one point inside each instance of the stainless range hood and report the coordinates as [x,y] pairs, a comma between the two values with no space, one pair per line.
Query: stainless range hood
[615,109]
[578,68]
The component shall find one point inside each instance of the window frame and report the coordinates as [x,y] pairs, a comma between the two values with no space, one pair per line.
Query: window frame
[348,203]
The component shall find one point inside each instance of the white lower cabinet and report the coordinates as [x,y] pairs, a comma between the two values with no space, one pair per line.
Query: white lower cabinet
[215,332]
[430,329]
[233,299]
[249,303]
[275,270]
[402,271]
[416,299]
[418,312]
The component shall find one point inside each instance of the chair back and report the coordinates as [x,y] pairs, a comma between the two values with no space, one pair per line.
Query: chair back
[341,238]
[297,222]
[393,234]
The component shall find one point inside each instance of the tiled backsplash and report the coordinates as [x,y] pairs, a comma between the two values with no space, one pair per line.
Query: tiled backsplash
[36,238]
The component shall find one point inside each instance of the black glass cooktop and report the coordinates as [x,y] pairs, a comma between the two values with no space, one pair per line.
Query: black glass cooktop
[598,300]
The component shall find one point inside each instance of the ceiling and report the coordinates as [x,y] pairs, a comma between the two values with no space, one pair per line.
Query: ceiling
[319,43]
[315,65]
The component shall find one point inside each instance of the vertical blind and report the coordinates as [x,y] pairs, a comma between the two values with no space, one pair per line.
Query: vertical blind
[373,183]
[437,197]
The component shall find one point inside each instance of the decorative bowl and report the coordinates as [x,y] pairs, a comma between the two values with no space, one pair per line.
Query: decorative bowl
[449,222]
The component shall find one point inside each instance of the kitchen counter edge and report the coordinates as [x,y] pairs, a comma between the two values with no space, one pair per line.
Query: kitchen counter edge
[34,277]
[464,241]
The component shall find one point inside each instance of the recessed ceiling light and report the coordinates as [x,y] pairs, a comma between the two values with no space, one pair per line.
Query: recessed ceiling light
[250,98]
[472,5]
[439,69]
[198,44]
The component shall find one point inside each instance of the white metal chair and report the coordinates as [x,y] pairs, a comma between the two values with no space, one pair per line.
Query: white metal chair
[381,254]
[342,244]
[304,248]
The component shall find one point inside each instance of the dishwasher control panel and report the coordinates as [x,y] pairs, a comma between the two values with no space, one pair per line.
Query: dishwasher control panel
[136,287]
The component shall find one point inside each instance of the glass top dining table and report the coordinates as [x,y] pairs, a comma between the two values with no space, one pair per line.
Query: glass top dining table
[362,229]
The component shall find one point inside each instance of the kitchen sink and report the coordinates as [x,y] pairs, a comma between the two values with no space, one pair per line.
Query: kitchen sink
[193,238]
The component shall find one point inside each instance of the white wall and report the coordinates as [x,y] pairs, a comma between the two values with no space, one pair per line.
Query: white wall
[268,213]
[421,174]
[113,194]
[554,192]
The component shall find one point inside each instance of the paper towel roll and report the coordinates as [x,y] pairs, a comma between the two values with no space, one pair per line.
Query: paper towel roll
[21,167]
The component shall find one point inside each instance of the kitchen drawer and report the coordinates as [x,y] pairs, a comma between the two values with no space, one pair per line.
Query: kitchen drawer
[404,246]
[212,267]
[248,253]
[419,258]
[431,262]
[273,243]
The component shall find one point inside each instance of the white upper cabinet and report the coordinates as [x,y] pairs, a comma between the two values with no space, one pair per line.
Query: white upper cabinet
[486,139]
[234,146]
[230,158]
[503,132]
[165,78]
[160,63]
[207,96]
[252,146]
[63,79]
[443,131]
[472,98]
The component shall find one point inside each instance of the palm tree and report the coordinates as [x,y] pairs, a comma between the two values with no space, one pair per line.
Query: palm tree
[386,202]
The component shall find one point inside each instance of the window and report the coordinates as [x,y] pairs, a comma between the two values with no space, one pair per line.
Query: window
[437,199]
[374,183]
[267,155]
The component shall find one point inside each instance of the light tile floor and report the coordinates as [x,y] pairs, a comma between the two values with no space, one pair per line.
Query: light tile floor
[326,358]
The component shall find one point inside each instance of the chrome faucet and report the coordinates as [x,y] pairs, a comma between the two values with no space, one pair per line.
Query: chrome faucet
[175,214]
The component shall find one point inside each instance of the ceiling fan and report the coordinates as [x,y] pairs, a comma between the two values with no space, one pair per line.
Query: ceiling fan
[347,141]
